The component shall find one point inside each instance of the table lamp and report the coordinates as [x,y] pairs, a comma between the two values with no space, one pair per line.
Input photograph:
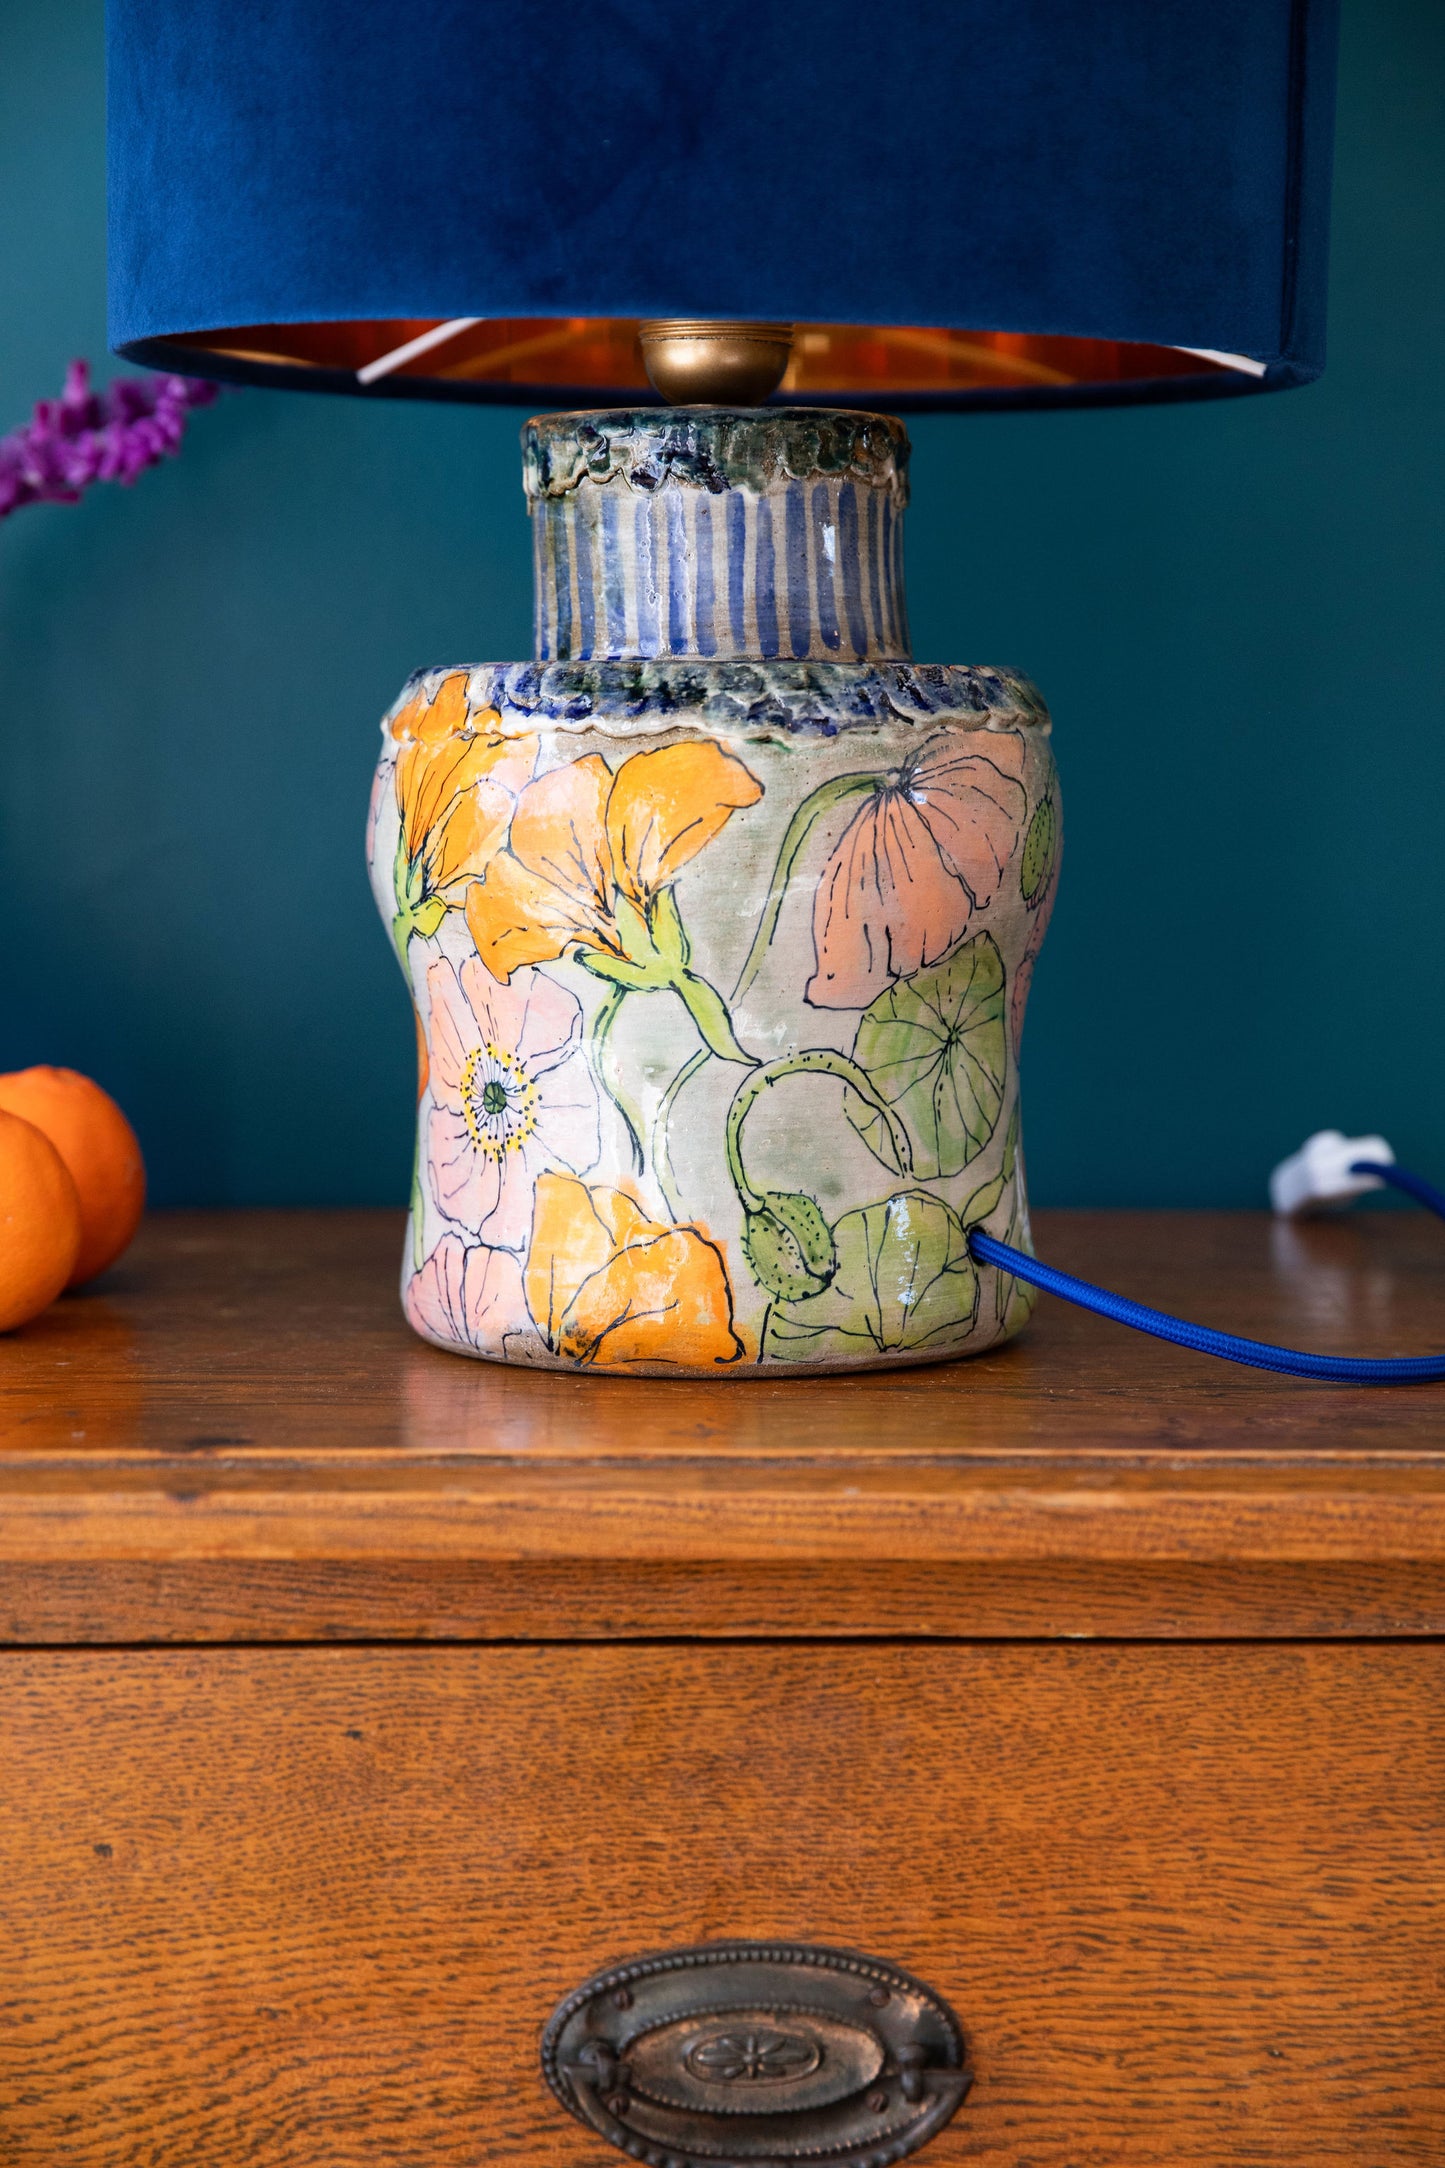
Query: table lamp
[719,913]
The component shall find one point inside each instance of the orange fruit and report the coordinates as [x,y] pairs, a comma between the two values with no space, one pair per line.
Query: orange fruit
[100,1149]
[39,1222]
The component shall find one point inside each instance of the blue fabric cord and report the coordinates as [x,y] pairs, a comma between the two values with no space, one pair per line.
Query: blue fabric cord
[1259,1354]
[1400,1178]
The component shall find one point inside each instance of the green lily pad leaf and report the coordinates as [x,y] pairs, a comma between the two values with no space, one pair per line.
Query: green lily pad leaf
[983,1203]
[1014,1299]
[1041,843]
[980,1208]
[934,1047]
[904,1282]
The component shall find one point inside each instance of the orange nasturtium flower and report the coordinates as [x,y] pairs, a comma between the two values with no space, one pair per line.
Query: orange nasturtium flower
[612,1289]
[457,776]
[591,854]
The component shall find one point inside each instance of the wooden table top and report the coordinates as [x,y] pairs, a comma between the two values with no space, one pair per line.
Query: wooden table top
[236,1435]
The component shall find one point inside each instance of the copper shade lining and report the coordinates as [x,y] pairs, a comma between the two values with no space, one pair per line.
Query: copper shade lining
[577,355]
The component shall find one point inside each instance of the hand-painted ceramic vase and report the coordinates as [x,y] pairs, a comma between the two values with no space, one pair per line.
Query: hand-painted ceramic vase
[719,919]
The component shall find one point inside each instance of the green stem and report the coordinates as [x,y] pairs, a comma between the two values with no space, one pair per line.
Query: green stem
[404,890]
[818,1061]
[832,793]
[661,1153]
[421,918]
[708,1010]
[598,1038]
[666,970]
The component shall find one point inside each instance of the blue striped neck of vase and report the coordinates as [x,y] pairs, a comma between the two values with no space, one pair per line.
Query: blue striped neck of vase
[716,534]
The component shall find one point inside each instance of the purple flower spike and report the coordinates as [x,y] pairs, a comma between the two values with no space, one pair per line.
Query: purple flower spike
[86,436]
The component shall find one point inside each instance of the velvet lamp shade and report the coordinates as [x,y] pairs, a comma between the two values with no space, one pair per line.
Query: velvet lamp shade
[955,202]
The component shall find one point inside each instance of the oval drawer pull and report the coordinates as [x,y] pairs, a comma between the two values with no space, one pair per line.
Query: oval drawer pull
[744,2052]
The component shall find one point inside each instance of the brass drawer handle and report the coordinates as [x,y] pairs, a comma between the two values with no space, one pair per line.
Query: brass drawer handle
[757,2052]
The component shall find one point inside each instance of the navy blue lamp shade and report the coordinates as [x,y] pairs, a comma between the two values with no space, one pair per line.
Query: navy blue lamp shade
[957,202]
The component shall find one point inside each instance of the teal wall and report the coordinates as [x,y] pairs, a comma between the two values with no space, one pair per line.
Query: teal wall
[1235,611]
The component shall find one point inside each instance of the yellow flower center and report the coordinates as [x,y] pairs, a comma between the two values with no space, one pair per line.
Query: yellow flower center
[499,1101]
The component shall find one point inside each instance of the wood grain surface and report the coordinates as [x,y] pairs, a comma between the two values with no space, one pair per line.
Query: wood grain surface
[310,1908]
[237,1436]
[282,1331]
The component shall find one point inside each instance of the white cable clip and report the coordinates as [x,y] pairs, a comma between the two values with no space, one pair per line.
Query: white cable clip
[1318,1174]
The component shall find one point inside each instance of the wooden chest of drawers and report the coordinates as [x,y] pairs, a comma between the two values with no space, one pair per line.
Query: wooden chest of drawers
[357,1703]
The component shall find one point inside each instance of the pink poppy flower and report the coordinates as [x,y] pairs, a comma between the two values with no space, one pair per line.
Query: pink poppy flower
[467,1297]
[924,851]
[512,1095]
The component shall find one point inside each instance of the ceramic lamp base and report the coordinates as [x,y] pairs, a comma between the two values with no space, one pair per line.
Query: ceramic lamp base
[719,964]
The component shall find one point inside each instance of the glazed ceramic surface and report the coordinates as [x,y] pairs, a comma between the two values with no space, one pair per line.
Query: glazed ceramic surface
[719,919]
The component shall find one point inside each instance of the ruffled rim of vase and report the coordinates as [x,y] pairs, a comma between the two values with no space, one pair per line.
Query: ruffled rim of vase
[713,448]
[799,699]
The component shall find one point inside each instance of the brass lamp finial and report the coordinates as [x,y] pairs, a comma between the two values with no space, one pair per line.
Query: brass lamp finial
[696,362]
